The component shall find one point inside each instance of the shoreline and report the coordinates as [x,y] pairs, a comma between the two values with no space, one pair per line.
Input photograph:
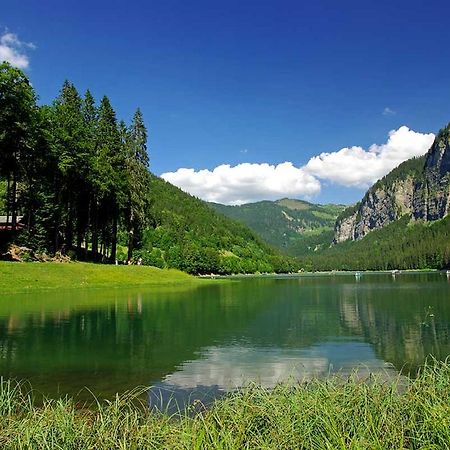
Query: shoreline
[311,415]
[326,273]
[23,277]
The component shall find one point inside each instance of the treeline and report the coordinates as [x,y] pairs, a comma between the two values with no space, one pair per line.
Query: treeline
[404,244]
[75,180]
[71,169]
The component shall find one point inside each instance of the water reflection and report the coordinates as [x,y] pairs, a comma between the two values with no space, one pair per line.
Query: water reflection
[235,366]
[219,337]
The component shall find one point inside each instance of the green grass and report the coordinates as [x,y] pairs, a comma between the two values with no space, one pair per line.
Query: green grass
[329,414]
[22,277]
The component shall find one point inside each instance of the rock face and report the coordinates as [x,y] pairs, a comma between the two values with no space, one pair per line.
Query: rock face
[419,188]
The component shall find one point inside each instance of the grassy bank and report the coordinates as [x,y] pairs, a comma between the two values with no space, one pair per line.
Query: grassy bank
[317,415]
[20,277]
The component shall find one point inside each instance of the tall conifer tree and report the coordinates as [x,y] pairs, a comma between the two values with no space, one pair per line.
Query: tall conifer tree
[138,178]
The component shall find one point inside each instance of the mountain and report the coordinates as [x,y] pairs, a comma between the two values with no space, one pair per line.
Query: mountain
[294,226]
[403,244]
[418,188]
[187,234]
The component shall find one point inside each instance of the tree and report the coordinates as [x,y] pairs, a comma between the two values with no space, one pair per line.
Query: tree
[135,144]
[68,145]
[17,118]
[110,179]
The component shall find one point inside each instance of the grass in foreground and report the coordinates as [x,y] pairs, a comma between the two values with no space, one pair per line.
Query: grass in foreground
[20,277]
[327,414]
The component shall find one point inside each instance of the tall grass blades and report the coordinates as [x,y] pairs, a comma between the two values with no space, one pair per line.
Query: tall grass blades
[320,414]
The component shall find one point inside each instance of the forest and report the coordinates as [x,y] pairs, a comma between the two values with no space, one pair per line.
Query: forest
[404,244]
[71,171]
[75,180]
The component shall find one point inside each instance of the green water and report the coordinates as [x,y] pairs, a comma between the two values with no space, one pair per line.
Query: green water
[220,336]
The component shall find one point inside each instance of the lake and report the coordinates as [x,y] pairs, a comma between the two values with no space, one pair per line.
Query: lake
[211,339]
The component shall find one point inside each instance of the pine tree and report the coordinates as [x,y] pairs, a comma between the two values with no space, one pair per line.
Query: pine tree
[138,178]
[17,118]
[110,177]
[68,144]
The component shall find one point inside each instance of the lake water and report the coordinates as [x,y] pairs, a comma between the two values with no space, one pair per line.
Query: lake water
[216,337]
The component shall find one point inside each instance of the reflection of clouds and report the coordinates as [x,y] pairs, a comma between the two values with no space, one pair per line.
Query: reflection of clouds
[234,366]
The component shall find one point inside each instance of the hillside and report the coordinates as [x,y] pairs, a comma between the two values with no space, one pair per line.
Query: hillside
[295,227]
[185,233]
[402,244]
[402,221]
[418,188]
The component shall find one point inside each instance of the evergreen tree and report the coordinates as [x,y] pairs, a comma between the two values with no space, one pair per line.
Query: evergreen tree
[68,144]
[135,143]
[17,119]
[111,176]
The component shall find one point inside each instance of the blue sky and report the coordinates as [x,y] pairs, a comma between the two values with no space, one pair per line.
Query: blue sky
[255,82]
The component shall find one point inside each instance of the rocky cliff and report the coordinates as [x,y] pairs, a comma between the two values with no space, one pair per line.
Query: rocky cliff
[419,188]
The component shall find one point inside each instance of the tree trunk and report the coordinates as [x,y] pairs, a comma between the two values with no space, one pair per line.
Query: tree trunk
[86,235]
[14,202]
[95,232]
[69,226]
[114,238]
[130,237]
[8,199]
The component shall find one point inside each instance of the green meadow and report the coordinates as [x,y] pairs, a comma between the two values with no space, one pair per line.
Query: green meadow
[23,277]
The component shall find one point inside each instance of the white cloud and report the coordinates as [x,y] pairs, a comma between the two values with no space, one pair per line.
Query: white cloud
[350,167]
[245,182]
[12,50]
[388,112]
[355,166]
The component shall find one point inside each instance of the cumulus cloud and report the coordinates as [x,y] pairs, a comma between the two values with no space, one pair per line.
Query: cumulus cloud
[245,182]
[13,50]
[357,167]
[350,167]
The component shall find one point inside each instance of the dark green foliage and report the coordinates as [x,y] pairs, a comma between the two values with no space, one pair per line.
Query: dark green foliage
[404,244]
[194,238]
[138,179]
[295,227]
[18,112]
[66,168]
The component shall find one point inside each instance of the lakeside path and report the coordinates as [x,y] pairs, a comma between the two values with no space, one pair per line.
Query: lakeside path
[24,277]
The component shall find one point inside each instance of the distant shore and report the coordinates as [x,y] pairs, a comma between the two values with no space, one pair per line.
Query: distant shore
[326,273]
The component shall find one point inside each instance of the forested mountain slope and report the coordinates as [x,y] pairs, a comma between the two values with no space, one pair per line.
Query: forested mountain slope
[295,227]
[186,233]
[418,188]
[403,244]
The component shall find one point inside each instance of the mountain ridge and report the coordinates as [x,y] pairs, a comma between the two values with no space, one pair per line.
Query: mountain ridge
[296,227]
[418,188]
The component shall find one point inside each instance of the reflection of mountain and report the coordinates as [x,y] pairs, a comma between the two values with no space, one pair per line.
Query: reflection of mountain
[405,331]
[260,329]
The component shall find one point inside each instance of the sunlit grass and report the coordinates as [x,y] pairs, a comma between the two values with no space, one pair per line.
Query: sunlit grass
[22,277]
[328,414]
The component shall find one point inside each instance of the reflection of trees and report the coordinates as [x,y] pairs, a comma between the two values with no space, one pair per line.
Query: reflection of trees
[117,340]
[404,325]
[135,338]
